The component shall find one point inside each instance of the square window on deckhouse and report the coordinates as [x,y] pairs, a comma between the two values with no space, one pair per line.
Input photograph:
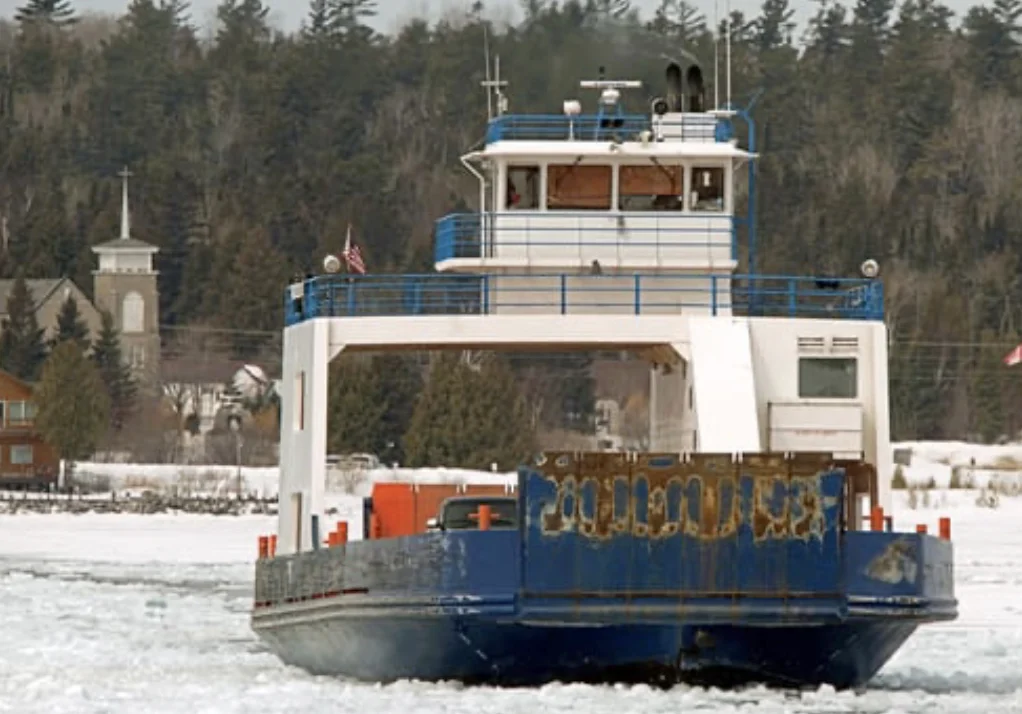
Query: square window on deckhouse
[707,190]
[576,187]
[650,188]
[828,377]
[522,188]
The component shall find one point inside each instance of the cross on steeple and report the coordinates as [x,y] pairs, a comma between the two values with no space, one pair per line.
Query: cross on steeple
[125,216]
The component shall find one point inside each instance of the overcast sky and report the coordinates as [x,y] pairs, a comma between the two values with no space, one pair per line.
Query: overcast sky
[288,14]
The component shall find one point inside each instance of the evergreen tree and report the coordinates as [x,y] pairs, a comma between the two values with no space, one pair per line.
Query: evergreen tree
[469,418]
[438,430]
[400,382]
[615,9]
[22,350]
[53,12]
[70,326]
[113,370]
[356,411]
[774,25]
[319,18]
[73,405]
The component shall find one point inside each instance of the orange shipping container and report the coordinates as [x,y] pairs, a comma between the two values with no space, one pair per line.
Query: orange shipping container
[402,508]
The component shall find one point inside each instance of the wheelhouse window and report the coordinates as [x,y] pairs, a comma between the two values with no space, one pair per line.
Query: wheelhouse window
[522,188]
[578,188]
[707,192]
[828,377]
[650,188]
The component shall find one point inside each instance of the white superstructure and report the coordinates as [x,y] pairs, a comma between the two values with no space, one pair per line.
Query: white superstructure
[612,231]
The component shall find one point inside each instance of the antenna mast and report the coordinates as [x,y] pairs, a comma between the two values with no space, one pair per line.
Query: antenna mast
[728,51]
[496,86]
[716,55]
[486,59]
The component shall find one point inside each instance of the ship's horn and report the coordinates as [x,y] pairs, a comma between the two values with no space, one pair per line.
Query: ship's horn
[674,88]
[696,90]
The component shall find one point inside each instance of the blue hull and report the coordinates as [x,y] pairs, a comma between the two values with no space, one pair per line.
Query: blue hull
[514,654]
[704,571]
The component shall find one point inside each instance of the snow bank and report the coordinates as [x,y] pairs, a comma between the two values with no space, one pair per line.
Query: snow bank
[977,465]
[264,481]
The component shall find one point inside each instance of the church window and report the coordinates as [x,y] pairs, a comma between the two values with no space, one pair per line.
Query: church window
[133,313]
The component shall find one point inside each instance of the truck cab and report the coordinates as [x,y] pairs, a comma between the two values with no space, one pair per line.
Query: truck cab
[462,513]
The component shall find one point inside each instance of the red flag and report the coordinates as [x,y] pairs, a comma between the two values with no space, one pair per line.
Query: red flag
[1013,357]
[353,256]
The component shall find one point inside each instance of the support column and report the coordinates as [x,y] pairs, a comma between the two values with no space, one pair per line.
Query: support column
[880,443]
[303,432]
[671,421]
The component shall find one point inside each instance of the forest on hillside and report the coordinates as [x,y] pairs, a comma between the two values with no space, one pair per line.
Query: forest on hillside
[886,132]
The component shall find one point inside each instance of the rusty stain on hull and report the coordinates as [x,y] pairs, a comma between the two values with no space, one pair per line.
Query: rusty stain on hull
[898,562]
[704,496]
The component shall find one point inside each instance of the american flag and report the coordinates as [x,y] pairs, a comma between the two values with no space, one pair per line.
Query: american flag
[1013,357]
[353,256]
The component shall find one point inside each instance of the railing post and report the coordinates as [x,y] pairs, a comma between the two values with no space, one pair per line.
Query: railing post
[564,294]
[713,295]
[638,296]
[351,297]
[486,294]
[792,298]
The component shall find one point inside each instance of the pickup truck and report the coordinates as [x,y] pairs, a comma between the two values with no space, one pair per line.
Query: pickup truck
[461,513]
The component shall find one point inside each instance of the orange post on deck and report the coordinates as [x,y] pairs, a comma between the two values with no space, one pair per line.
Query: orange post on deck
[484,518]
[342,532]
[264,546]
[374,526]
[331,539]
[945,528]
[273,546]
[876,518]
[920,528]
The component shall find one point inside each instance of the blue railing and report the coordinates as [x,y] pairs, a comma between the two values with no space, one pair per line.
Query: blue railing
[591,127]
[453,294]
[649,235]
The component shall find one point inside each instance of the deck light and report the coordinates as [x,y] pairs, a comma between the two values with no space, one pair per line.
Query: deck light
[331,264]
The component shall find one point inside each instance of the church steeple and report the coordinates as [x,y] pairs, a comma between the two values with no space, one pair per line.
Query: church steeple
[125,285]
[125,254]
[125,212]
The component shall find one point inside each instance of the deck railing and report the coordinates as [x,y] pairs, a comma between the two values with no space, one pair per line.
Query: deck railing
[454,294]
[592,127]
[654,236]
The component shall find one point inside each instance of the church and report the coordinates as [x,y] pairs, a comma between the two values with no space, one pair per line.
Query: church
[124,283]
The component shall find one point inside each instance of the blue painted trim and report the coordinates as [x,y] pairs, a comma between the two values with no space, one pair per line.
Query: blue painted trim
[745,114]
[595,127]
[474,294]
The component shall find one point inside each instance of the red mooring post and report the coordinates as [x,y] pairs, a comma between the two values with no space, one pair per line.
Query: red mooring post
[945,528]
[484,518]
[876,518]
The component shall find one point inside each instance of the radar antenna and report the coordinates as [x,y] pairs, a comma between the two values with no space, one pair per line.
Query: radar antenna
[610,96]
[610,89]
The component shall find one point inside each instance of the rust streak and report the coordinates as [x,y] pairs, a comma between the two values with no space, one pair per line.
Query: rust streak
[707,497]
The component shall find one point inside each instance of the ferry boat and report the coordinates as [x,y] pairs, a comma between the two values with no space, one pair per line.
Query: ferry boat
[749,545]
